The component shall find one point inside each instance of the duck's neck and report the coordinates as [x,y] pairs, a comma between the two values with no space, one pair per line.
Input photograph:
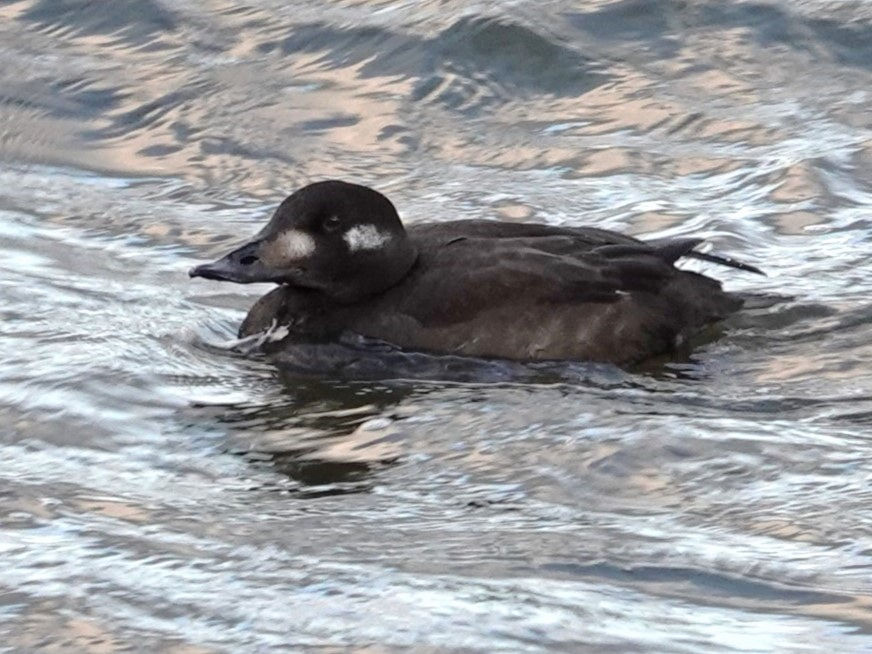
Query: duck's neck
[375,273]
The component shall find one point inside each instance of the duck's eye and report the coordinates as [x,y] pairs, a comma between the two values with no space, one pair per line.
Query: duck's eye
[332,223]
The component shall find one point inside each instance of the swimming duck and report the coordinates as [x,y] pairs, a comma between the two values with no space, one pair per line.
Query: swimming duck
[344,262]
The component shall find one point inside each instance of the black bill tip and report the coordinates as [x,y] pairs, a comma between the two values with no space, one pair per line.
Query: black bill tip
[207,271]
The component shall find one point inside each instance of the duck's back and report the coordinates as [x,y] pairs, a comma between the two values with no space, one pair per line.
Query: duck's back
[536,292]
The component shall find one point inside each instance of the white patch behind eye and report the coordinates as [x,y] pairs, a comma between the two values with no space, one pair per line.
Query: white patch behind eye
[365,237]
[295,244]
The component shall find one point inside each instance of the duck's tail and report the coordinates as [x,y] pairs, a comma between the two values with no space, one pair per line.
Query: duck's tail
[725,261]
[673,248]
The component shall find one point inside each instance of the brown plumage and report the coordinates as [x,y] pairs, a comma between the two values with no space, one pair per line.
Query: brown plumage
[474,288]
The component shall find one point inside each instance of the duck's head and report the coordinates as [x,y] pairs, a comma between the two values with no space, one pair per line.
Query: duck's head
[342,239]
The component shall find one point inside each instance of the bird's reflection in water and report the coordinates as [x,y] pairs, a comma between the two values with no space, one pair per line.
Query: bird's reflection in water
[338,415]
[326,436]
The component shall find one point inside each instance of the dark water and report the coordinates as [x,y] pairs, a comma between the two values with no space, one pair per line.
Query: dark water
[160,494]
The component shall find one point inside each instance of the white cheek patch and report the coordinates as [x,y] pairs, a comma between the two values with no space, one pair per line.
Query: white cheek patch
[365,237]
[294,244]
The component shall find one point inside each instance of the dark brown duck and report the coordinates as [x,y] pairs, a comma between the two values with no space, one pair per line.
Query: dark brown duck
[345,263]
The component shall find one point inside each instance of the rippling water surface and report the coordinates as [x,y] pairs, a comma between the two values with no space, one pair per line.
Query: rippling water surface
[161,494]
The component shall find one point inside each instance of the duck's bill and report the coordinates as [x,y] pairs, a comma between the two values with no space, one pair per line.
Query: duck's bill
[221,272]
[242,266]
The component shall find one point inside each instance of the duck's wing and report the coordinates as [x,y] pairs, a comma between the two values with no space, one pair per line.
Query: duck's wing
[465,275]
[582,237]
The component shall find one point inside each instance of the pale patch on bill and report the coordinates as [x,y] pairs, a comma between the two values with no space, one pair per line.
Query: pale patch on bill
[365,237]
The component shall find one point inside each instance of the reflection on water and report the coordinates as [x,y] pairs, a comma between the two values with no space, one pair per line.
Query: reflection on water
[160,493]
